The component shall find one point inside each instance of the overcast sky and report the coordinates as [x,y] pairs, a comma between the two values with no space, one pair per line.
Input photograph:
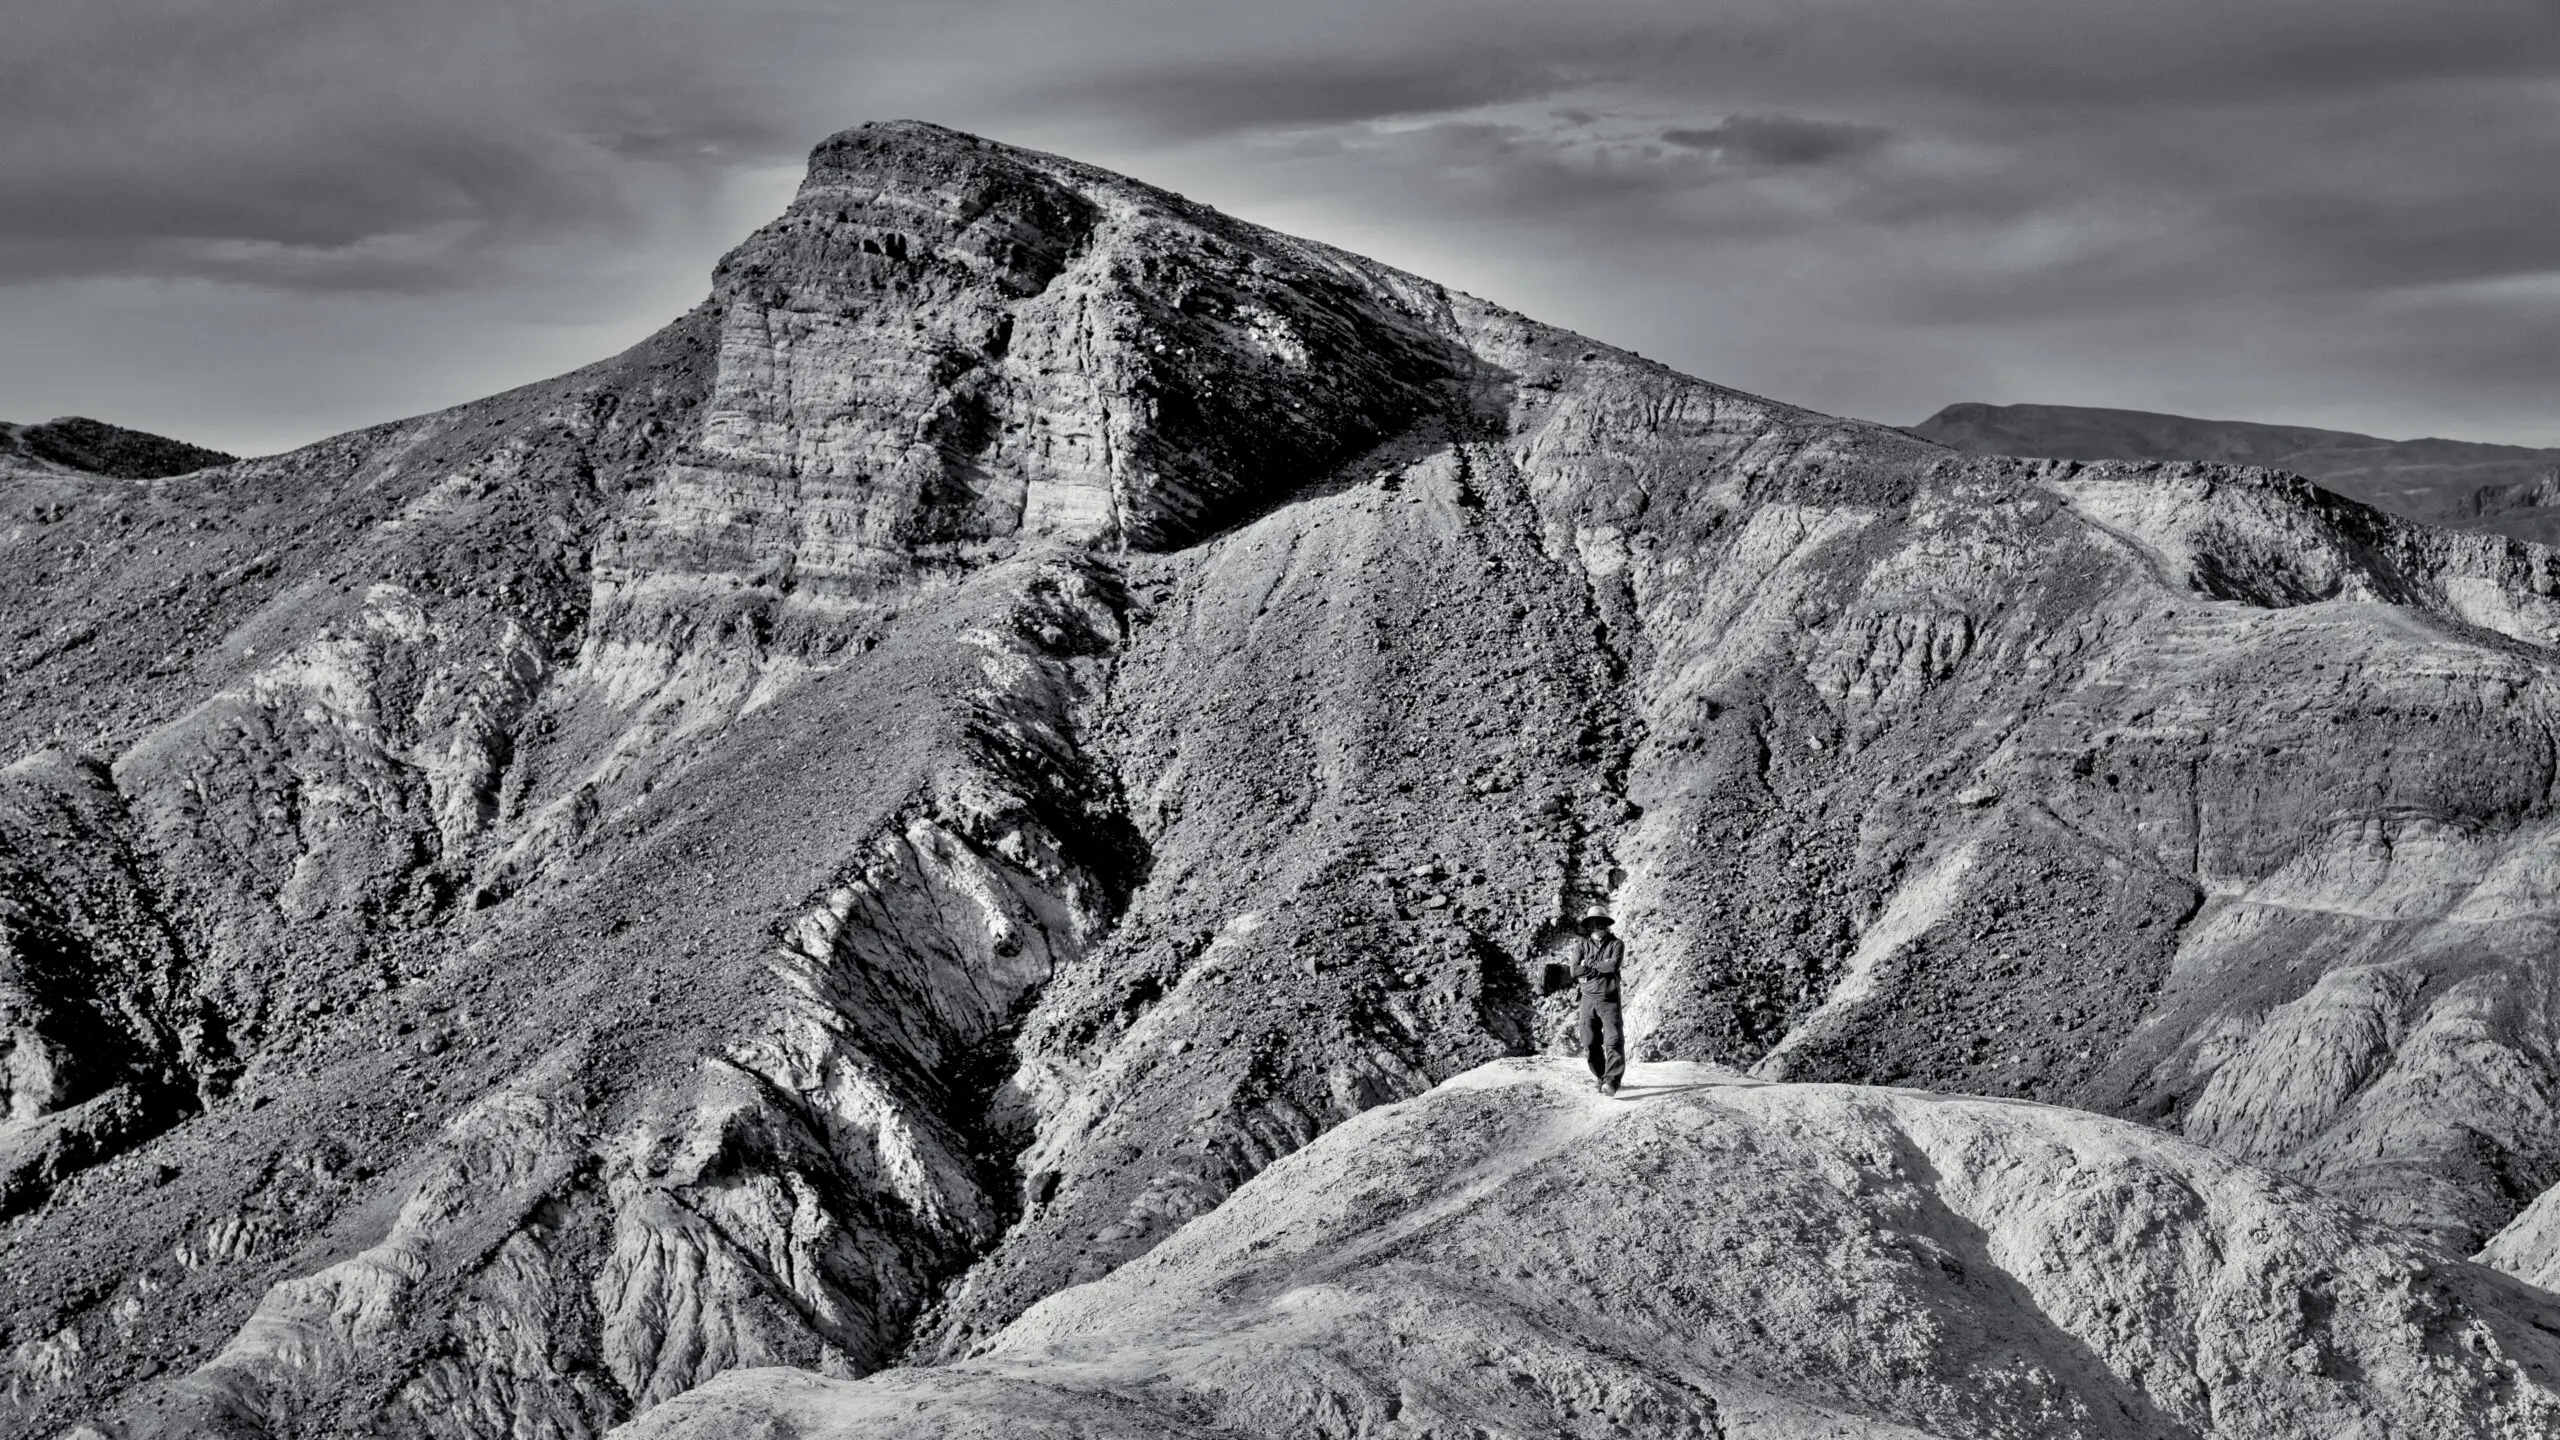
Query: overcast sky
[253,223]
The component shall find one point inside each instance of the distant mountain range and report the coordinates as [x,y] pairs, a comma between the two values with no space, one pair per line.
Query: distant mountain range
[2509,489]
[97,448]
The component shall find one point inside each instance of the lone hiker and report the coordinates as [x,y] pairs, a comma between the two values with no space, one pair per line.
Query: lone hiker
[1597,954]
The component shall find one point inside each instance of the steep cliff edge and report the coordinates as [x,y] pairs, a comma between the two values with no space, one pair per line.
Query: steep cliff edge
[1512,1255]
[1038,700]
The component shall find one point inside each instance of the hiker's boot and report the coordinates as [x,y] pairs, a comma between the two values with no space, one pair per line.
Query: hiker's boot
[1609,1088]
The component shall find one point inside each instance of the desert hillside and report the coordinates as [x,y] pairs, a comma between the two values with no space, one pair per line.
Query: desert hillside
[893,798]
[2502,489]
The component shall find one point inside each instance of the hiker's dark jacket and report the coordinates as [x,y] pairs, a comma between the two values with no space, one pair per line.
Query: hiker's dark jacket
[1602,1030]
[1596,959]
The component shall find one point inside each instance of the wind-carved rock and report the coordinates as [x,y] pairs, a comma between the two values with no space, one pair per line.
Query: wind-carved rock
[589,1242]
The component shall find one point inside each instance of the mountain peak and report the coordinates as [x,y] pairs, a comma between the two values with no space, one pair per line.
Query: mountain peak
[1001,344]
[882,802]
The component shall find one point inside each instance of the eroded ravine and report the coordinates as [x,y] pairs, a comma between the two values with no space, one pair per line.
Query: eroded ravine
[1383,696]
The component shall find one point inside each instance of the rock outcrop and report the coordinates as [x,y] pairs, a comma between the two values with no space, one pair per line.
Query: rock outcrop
[2503,489]
[96,1049]
[1037,701]
[1513,1255]
[2529,1247]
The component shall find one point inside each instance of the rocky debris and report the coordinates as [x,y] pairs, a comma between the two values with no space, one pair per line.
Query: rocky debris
[129,603]
[96,448]
[99,1047]
[2232,1049]
[1510,1254]
[2506,489]
[1037,702]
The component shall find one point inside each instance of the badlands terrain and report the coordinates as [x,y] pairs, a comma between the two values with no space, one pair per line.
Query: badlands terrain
[962,841]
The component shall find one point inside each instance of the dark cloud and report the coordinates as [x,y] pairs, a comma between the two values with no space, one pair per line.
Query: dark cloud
[366,146]
[1527,171]
[2111,54]
[1779,139]
[1214,98]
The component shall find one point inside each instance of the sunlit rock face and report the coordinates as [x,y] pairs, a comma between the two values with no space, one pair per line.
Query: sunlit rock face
[2529,1247]
[899,794]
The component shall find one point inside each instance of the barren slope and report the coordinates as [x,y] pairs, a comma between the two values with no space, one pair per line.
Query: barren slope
[1512,1255]
[1038,700]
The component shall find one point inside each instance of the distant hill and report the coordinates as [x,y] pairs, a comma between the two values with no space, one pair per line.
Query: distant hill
[97,448]
[2509,489]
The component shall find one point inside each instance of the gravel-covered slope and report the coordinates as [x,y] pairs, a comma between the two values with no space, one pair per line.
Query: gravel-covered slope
[603,837]
[2017,778]
[1704,1256]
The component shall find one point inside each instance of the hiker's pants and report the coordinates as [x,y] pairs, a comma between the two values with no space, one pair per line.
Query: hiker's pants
[1604,1038]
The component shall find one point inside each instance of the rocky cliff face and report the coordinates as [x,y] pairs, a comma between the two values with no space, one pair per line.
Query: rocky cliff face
[2502,489]
[1514,1255]
[1037,701]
